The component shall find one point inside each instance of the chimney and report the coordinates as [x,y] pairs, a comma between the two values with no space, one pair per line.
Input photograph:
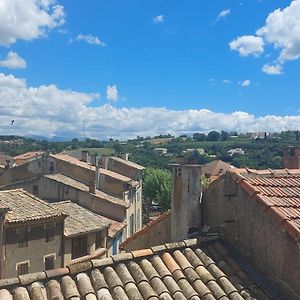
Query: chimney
[124,156]
[92,188]
[185,200]
[84,156]
[94,158]
[291,158]
[104,162]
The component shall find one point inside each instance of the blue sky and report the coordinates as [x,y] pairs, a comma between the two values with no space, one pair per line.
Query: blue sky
[148,67]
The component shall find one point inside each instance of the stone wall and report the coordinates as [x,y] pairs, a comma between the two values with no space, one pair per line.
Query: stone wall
[155,233]
[37,249]
[254,234]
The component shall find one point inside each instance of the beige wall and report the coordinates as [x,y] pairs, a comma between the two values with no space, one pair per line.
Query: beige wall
[54,191]
[37,249]
[156,233]
[124,169]
[28,170]
[254,234]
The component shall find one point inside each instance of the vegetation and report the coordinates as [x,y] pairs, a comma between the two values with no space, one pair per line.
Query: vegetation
[259,153]
[157,187]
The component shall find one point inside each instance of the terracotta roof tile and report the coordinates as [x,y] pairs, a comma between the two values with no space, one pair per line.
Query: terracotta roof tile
[177,273]
[79,220]
[25,207]
[72,160]
[279,191]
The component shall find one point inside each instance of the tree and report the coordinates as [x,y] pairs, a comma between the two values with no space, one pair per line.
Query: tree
[224,135]
[213,136]
[199,137]
[157,187]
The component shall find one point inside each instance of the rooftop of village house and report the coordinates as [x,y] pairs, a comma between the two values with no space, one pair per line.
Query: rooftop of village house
[26,208]
[79,220]
[192,269]
[75,161]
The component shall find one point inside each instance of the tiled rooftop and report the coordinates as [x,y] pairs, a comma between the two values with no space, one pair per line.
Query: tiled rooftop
[79,219]
[127,162]
[184,270]
[85,188]
[279,192]
[75,161]
[28,155]
[24,207]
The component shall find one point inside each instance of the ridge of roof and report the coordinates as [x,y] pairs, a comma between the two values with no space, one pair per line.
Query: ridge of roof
[128,162]
[184,270]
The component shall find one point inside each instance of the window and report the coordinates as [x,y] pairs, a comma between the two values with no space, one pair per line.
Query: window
[98,240]
[49,262]
[22,237]
[50,232]
[178,171]
[39,164]
[35,190]
[51,167]
[22,268]
[79,246]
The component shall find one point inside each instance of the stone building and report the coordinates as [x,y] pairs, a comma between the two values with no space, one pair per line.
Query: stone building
[85,233]
[257,212]
[29,224]
[27,157]
[64,233]
[113,190]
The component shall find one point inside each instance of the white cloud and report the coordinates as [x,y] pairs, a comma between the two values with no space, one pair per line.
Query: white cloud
[272,69]
[282,30]
[159,19]
[49,111]
[112,93]
[13,61]
[226,81]
[223,14]
[245,83]
[90,39]
[28,19]
[248,44]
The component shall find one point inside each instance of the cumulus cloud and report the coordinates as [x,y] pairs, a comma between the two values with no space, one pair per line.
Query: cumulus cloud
[48,111]
[223,14]
[282,30]
[248,44]
[90,39]
[159,19]
[272,69]
[112,93]
[28,19]
[245,83]
[13,61]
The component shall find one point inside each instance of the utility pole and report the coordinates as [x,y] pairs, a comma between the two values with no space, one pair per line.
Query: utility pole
[83,129]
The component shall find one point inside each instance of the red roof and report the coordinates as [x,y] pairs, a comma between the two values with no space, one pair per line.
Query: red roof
[279,192]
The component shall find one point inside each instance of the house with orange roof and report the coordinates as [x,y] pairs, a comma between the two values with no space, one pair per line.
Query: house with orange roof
[257,212]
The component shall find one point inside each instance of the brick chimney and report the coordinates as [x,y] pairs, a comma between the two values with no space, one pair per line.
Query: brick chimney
[291,158]
[185,200]
[92,188]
